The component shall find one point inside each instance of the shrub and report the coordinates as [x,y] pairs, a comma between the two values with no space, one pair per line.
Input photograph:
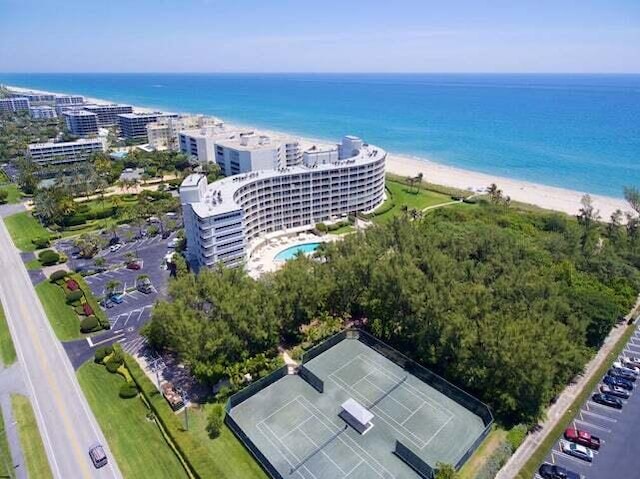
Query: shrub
[322,227]
[74,296]
[56,275]
[48,257]
[89,325]
[214,421]
[4,194]
[41,242]
[495,462]
[516,436]
[128,390]
[297,352]
[112,366]
[102,353]
[79,309]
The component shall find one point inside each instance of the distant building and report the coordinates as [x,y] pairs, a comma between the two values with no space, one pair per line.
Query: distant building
[108,114]
[200,143]
[14,104]
[81,122]
[224,220]
[165,133]
[133,126]
[66,152]
[42,112]
[69,100]
[36,98]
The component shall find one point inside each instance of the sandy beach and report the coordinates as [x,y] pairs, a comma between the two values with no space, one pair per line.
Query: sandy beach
[548,197]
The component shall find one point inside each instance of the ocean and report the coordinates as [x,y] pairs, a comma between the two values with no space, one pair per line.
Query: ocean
[579,132]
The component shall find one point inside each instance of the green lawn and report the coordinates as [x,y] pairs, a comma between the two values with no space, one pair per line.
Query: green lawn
[412,198]
[343,230]
[13,190]
[35,456]
[23,228]
[225,449]
[483,453]
[7,351]
[5,453]
[63,319]
[136,442]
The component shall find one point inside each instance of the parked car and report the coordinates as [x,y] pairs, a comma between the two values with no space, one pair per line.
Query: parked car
[174,243]
[134,265]
[550,471]
[576,450]
[616,391]
[583,438]
[153,219]
[98,456]
[114,240]
[618,381]
[628,369]
[631,360]
[607,400]
[107,303]
[166,234]
[117,298]
[115,247]
[622,374]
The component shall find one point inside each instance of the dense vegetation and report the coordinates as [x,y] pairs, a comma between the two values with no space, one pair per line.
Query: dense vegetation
[509,305]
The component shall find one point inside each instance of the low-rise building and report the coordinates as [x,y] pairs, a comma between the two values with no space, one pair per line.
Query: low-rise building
[133,126]
[44,112]
[108,114]
[14,104]
[81,122]
[65,152]
[165,133]
[36,98]
[224,219]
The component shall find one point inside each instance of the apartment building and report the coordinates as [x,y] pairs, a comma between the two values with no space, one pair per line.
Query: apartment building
[65,152]
[164,134]
[36,98]
[44,112]
[108,114]
[14,104]
[81,122]
[69,100]
[225,218]
[133,126]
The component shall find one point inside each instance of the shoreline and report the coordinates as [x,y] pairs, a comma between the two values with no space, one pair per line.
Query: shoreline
[544,196]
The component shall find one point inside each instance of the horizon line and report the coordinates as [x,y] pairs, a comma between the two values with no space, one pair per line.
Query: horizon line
[308,73]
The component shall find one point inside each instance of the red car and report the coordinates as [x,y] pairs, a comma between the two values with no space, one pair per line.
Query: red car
[133,265]
[583,438]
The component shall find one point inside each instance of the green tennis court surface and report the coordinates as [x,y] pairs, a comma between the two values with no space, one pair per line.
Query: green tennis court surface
[299,431]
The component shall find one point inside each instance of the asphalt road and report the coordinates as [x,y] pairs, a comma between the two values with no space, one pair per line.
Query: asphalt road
[67,425]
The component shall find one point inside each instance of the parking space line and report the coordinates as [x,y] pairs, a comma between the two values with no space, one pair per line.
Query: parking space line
[564,455]
[604,408]
[591,425]
[599,416]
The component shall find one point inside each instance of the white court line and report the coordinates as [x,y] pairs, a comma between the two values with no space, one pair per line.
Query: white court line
[383,391]
[278,449]
[323,452]
[320,415]
[290,452]
[298,426]
[411,415]
[412,389]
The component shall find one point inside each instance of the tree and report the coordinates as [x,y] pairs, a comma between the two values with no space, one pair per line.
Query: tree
[100,261]
[112,286]
[445,471]
[632,195]
[495,194]
[214,420]
[419,181]
[4,194]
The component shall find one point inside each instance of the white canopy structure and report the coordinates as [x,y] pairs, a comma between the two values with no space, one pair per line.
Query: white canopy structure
[356,415]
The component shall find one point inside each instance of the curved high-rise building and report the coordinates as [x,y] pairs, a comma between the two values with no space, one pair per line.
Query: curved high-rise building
[225,218]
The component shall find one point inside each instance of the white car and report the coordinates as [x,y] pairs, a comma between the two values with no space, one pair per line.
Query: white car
[576,450]
[631,361]
[115,247]
[627,368]
[173,243]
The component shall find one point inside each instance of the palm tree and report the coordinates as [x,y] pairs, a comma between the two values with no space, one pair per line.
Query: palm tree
[112,285]
[99,261]
[419,181]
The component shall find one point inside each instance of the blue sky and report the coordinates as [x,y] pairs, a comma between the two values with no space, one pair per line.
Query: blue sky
[320,36]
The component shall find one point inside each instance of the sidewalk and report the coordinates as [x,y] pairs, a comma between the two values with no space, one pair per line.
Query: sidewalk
[557,410]
[11,382]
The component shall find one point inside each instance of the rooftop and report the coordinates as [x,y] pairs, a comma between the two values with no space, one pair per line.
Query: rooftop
[81,141]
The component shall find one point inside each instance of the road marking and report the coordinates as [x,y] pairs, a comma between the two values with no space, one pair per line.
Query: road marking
[92,344]
[599,416]
[591,425]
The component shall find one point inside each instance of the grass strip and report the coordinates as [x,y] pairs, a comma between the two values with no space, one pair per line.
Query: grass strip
[63,319]
[23,228]
[5,452]
[35,456]
[531,466]
[7,351]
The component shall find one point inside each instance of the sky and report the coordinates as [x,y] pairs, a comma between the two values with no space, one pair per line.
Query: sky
[582,36]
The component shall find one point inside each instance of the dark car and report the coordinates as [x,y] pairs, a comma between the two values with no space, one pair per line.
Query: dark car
[134,265]
[549,471]
[114,240]
[621,373]
[166,234]
[618,381]
[607,400]
[583,438]
[616,391]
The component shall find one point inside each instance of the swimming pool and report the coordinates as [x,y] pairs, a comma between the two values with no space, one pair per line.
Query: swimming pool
[292,251]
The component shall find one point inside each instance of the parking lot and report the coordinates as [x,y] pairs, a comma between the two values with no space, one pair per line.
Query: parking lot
[617,429]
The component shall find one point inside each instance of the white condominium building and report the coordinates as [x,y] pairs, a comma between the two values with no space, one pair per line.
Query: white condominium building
[164,134]
[65,152]
[14,104]
[42,112]
[225,219]
[108,114]
[69,100]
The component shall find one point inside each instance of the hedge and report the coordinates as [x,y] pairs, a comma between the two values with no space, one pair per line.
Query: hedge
[74,296]
[89,325]
[56,275]
[128,390]
[48,257]
[194,454]
[112,365]
[102,352]
[92,301]
[41,242]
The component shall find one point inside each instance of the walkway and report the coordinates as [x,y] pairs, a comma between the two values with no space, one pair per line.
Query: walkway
[11,382]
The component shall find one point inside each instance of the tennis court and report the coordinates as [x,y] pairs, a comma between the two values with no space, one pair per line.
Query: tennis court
[300,433]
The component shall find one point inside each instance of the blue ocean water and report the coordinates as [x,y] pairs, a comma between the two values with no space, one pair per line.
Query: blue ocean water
[574,131]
